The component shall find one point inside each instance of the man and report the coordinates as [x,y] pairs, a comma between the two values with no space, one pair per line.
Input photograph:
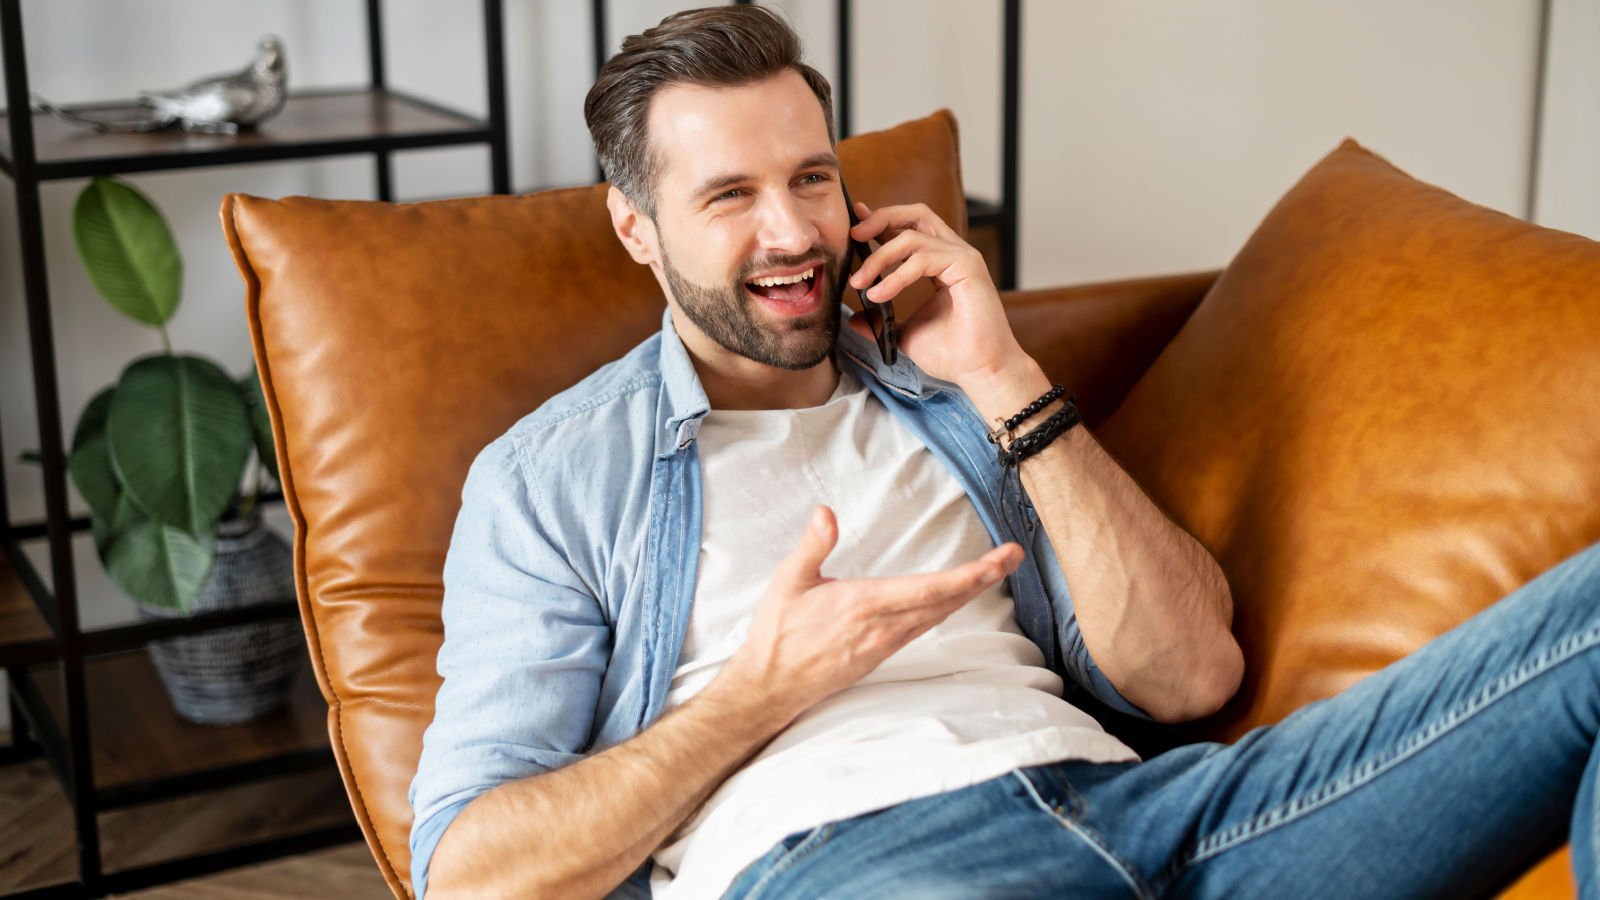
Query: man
[649,688]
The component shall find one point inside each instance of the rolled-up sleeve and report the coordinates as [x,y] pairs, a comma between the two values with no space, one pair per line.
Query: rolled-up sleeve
[1075,658]
[525,647]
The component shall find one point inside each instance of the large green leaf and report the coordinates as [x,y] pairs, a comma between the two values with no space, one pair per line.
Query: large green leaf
[158,564]
[180,437]
[90,462]
[128,249]
[260,422]
[106,528]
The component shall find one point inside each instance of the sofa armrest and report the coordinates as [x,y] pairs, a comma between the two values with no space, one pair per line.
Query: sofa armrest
[1098,339]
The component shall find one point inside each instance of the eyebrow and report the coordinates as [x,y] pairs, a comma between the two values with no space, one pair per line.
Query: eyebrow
[718,182]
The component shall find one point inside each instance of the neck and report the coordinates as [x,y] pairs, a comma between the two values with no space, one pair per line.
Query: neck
[756,386]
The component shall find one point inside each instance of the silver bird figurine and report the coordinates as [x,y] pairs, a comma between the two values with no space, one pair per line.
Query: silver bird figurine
[221,104]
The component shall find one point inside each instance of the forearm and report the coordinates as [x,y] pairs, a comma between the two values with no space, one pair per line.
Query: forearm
[579,831]
[1152,604]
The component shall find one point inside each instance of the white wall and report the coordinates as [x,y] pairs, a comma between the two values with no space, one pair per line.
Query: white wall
[1155,134]
[1159,139]
[1569,166]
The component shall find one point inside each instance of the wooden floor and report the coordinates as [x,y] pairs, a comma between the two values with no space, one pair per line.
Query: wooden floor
[37,840]
[344,872]
[136,738]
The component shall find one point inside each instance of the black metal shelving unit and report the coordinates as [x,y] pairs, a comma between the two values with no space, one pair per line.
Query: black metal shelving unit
[59,673]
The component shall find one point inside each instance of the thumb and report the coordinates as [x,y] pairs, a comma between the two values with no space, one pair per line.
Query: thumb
[821,535]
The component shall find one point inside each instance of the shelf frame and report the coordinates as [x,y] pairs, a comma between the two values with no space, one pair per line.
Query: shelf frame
[23,531]
[29,628]
[73,770]
[223,150]
[65,740]
[291,739]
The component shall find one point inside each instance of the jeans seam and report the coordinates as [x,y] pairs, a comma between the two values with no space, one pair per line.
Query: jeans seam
[1263,822]
[1089,836]
[785,862]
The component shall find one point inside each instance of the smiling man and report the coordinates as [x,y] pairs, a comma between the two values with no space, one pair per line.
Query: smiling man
[754,283]
[651,686]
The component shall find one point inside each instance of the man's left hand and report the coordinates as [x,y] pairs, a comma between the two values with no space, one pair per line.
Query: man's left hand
[961,335]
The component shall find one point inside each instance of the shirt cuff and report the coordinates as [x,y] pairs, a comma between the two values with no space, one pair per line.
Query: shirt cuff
[424,838]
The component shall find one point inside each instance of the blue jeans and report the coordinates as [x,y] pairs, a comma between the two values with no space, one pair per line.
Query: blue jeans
[1446,774]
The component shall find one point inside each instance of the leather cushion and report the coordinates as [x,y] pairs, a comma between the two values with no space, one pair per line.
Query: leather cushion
[1380,419]
[394,341]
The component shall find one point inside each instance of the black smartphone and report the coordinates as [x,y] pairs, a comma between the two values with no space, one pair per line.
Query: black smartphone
[880,316]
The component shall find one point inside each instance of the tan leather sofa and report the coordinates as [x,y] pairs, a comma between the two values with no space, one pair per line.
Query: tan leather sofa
[1379,417]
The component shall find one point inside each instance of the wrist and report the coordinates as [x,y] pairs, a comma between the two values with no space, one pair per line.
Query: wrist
[743,700]
[1002,394]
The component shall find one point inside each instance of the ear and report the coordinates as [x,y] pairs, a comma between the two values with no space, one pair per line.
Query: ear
[634,229]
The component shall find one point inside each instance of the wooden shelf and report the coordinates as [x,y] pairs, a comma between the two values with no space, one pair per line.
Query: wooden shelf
[24,635]
[983,213]
[310,125]
[102,605]
[214,820]
[37,833]
[137,737]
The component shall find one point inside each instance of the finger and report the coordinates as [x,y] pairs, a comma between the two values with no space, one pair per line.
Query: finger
[910,272]
[888,222]
[953,586]
[804,563]
[941,262]
[927,261]
[881,225]
[885,257]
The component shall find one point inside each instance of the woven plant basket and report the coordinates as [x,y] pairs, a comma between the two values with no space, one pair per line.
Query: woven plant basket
[230,675]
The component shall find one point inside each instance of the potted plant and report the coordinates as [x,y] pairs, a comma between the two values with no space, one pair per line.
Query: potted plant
[160,457]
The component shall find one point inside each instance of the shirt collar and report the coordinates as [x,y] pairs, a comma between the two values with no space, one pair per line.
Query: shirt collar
[686,401]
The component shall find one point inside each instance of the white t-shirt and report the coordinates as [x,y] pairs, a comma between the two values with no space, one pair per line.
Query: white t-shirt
[966,701]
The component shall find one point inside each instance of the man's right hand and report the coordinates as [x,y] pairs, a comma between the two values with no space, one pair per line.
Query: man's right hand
[812,636]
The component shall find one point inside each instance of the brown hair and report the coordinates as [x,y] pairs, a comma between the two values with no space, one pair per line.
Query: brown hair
[723,46]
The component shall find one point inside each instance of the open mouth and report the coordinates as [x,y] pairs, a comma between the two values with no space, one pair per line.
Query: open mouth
[796,288]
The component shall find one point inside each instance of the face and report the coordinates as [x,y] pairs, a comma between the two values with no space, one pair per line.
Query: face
[750,224]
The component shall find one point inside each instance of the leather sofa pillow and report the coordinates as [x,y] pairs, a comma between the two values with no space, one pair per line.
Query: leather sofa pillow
[1381,419]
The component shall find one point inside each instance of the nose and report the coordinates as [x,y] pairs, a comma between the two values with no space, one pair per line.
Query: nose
[785,226]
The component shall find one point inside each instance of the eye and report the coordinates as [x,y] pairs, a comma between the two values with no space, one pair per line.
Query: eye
[813,178]
[727,195]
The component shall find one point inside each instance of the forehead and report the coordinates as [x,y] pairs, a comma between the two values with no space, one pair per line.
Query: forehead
[699,132]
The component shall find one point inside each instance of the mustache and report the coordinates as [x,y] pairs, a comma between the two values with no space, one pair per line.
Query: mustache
[824,259]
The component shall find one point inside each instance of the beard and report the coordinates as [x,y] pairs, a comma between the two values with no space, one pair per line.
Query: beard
[726,313]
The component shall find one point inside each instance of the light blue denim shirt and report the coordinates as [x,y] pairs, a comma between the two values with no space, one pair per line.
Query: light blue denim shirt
[571,571]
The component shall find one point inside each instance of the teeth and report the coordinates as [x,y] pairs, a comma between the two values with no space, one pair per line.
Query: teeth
[784,279]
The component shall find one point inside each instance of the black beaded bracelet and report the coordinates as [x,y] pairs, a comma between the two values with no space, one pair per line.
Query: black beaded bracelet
[1039,438]
[1032,408]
